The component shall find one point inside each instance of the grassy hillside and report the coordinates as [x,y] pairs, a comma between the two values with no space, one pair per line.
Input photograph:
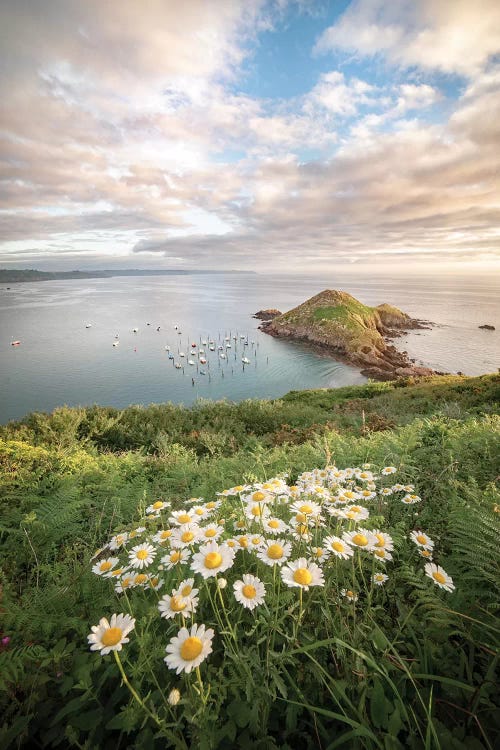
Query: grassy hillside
[409,664]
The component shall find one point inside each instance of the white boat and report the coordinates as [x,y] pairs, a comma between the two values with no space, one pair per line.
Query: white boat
[135,330]
[204,343]
[228,346]
[181,354]
[115,343]
[167,348]
[203,361]
[191,362]
[89,325]
[178,366]
[222,355]
[202,351]
[245,360]
[212,348]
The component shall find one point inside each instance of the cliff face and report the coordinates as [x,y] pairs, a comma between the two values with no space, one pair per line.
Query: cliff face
[350,331]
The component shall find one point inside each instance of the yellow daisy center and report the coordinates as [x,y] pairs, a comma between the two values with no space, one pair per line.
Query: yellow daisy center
[238,488]
[258,496]
[213,560]
[155,581]
[380,552]
[319,552]
[305,509]
[175,557]
[140,578]
[275,551]
[104,566]
[439,577]
[184,518]
[240,525]
[338,546]
[126,583]
[210,505]
[350,594]
[301,517]
[381,540]
[112,636]
[243,541]
[274,524]
[187,536]
[117,572]
[132,534]
[302,576]
[256,510]
[158,505]
[141,554]
[293,488]
[191,648]
[177,604]
[186,590]
[199,511]
[165,534]
[267,486]
[425,553]
[210,533]
[421,539]
[256,540]
[360,540]
[249,592]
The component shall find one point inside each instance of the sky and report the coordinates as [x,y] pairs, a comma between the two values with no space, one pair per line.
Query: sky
[278,135]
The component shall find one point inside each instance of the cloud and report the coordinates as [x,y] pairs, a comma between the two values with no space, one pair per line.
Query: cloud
[453,36]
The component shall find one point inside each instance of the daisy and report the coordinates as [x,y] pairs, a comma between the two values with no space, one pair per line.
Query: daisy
[356,512]
[156,507]
[213,505]
[249,592]
[364,475]
[256,511]
[409,488]
[381,554]
[338,547]
[211,532]
[361,538]
[379,579]
[384,541]
[104,568]
[124,583]
[274,552]
[186,589]
[305,509]
[180,517]
[118,541]
[388,470]
[300,531]
[319,554]
[350,595]
[110,636]
[386,491]
[176,557]
[185,535]
[439,576]
[154,583]
[302,573]
[427,553]
[367,494]
[188,649]
[242,540]
[256,540]
[212,558]
[411,499]
[200,512]
[274,526]
[142,555]
[173,605]
[422,540]
[139,579]
[162,536]
[137,532]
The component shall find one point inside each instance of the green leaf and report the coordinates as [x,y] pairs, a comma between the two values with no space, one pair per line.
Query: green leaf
[378,705]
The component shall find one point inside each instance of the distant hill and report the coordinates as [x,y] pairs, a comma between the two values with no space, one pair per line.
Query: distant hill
[18,275]
[350,331]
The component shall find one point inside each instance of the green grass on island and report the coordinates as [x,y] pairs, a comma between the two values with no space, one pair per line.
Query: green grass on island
[348,607]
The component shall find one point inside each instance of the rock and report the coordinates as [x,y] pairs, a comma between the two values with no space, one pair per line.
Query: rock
[339,324]
[487,327]
[267,314]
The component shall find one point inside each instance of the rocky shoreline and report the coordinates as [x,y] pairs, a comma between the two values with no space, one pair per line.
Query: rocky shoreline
[336,323]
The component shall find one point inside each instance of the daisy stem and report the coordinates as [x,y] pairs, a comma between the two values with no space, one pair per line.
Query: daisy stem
[134,693]
[202,689]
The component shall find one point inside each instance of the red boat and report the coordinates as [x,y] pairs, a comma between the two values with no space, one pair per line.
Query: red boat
[15,343]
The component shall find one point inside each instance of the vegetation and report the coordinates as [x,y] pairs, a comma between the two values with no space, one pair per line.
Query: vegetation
[409,664]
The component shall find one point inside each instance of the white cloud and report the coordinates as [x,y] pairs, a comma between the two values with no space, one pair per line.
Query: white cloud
[454,36]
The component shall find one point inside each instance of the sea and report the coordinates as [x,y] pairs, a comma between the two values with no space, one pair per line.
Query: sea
[67,330]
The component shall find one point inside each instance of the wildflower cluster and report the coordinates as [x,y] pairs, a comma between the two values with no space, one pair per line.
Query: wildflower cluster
[265,537]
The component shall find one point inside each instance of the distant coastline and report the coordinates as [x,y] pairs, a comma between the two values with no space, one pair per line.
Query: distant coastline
[19,275]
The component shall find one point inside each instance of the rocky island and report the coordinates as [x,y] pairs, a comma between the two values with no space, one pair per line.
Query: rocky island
[351,332]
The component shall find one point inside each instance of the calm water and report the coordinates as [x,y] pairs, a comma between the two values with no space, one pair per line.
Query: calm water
[60,361]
